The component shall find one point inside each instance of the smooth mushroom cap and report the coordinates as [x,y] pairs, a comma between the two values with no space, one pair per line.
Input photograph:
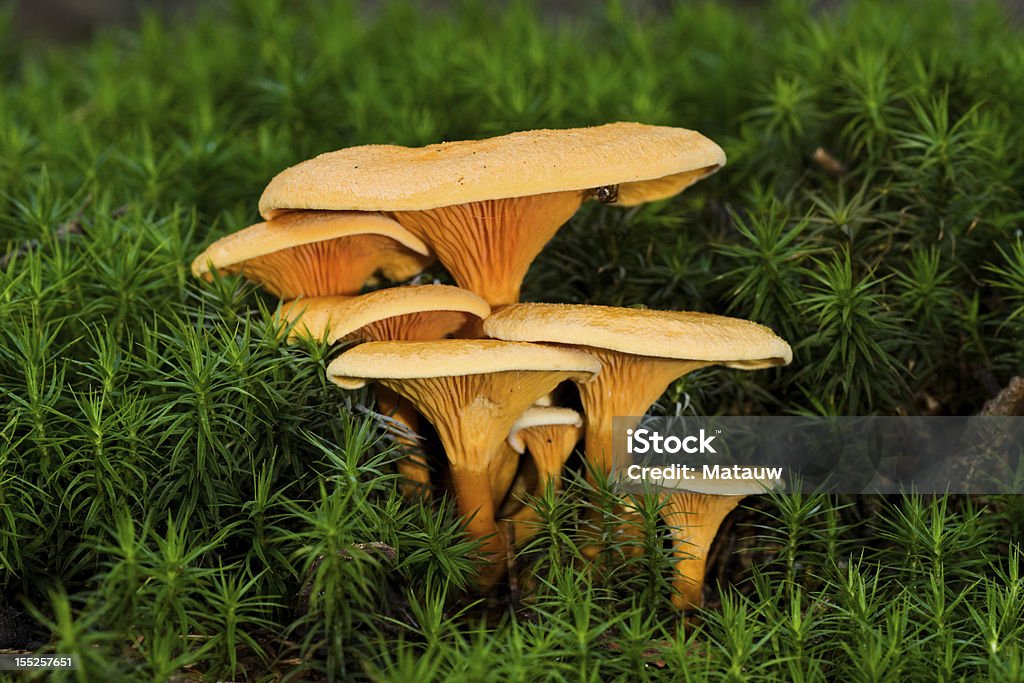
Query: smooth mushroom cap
[447,358]
[472,391]
[413,313]
[641,352]
[317,253]
[645,162]
[681,335]
[488,207]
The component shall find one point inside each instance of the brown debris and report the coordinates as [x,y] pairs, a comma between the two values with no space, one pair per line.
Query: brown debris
[1009,402]
[829,163]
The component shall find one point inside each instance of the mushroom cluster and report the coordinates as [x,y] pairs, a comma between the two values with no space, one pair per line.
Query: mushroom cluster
[472,360]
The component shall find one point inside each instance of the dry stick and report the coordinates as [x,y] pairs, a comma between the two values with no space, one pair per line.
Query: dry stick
[1009,402]
[991,463]
[377,548]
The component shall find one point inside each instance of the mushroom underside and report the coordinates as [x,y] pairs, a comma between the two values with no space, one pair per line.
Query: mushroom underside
[421,326]
[631,194]
[693,520]
[626,387]
[488,246]
[338,266]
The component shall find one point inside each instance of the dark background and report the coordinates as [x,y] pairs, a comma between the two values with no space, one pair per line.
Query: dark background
[75,20]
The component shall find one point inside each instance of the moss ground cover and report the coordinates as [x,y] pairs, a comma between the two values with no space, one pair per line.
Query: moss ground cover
[183,495]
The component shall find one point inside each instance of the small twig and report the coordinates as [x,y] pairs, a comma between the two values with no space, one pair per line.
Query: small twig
[389,553]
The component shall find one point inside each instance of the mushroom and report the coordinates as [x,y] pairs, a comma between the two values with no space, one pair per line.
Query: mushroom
[317,253]
[549,435]
[488,207]
[641,352]
[420,313]
[412,313]
[507,467]
[472,391]
[693,515]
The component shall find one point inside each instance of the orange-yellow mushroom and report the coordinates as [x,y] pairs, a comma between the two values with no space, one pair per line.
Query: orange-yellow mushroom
[548,435]
[641,352]
[317,253]
[416,313]
[487,207]
[472,391]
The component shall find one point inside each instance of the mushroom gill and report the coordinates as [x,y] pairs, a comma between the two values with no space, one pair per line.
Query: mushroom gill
[488,246]
[693,520]
[316,253]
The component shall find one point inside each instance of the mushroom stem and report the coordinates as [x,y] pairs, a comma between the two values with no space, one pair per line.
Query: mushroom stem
[473,497]
[626,387]
[473,415]
[550,460]
[503,472]
[488,246]
[693,519]
[413,465]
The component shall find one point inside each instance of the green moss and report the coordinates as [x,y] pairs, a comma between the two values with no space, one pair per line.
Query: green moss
[179,490]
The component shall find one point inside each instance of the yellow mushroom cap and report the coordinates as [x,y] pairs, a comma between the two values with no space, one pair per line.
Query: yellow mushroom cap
[451,358]
[646,162]
[540,417]
[297,229]
[643,332]
[341,316]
